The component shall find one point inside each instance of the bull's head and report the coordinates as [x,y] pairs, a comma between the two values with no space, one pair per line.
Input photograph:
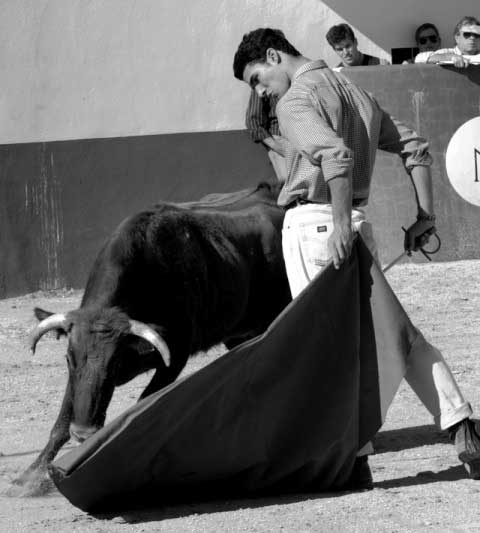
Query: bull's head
[105,348]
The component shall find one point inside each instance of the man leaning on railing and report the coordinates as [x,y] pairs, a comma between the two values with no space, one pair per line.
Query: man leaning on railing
[466,51]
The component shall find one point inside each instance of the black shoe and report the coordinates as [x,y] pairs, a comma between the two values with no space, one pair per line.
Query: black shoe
[467,444]
[361,477]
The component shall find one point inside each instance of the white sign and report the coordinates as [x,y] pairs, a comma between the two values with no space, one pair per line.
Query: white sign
[463,161]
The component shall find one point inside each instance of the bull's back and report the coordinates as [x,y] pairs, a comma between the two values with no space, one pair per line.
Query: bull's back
[265,193]
[204,271]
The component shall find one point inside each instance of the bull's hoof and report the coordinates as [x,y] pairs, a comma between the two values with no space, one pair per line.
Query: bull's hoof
[30,484]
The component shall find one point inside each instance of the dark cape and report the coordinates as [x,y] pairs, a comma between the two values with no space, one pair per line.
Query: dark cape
[284,412]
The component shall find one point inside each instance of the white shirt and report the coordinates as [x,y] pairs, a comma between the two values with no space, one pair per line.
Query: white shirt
[423,57]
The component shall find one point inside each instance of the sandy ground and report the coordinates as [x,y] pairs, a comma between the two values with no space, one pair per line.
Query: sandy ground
[419,484]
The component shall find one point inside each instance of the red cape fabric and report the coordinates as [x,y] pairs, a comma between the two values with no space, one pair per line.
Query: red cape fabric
[284,412]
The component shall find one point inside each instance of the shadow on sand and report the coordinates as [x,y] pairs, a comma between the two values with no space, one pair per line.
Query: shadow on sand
[396,440]
[385,441]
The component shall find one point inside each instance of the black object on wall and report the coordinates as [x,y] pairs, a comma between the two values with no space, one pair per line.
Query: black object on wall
[399,55]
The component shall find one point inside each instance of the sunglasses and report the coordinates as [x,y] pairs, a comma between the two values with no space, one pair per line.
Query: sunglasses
[468,34]
[432,38]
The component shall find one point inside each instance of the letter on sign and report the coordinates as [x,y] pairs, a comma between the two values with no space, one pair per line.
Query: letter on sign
[477,164]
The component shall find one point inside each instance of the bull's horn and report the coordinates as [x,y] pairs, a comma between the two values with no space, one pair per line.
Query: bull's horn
[56,321]
[149,334]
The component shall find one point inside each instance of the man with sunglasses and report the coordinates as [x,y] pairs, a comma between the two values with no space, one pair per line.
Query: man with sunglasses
[427,38]
[466,51]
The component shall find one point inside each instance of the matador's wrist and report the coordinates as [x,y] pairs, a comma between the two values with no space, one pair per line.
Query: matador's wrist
[423,215]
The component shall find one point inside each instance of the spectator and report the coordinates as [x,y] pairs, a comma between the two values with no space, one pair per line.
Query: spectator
[466,51]
[342,39]
[427,38]
[262,126]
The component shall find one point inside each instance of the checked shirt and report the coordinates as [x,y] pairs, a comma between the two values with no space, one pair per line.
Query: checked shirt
[335,128]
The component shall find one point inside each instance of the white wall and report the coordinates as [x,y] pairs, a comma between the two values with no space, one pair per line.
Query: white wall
[101,68]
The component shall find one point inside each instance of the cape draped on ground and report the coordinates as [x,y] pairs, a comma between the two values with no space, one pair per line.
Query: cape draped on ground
[284,412]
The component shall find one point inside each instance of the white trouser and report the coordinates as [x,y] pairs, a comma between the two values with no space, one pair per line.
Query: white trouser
[279,164]
[306,230]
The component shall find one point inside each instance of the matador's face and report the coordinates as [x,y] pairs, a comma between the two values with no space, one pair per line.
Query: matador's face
[269,77]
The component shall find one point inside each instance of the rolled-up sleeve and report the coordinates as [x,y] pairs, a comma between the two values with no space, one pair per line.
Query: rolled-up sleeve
[395,137]
[312,136]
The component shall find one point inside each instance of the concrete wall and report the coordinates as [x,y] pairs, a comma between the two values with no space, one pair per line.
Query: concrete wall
[61,199]
[74,69]
[435,101]
[109,105]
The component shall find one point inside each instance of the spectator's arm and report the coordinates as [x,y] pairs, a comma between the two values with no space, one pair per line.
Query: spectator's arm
[442,56]
[423,57]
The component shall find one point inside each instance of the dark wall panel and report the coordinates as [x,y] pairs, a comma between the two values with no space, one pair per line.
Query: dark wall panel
[59,200]
[435,101]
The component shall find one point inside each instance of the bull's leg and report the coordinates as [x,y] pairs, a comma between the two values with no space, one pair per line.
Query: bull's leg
[35,480]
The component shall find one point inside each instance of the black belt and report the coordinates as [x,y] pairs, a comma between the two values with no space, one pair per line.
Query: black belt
[356,202]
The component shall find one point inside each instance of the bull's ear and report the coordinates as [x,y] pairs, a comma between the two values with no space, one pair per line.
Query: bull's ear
[41,314]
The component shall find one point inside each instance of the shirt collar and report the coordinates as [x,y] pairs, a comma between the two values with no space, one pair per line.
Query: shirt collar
[311,65]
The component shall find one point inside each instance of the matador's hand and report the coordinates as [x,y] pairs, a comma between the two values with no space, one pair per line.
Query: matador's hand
[340,244]
[419,233]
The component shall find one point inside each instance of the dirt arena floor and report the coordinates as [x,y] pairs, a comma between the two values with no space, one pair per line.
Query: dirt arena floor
[419,484]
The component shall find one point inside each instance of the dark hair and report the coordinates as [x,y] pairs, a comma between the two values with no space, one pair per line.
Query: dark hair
[339,33]
[464,22]
[423,27]
[254,47]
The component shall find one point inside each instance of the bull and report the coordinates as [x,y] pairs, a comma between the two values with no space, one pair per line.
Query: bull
[169,282]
